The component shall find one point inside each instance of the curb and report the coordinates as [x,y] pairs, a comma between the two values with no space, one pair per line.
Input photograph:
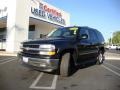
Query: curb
[112,58]
[7,54]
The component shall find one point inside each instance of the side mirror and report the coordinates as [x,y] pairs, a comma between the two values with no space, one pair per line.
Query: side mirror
[84,36]
[42,35]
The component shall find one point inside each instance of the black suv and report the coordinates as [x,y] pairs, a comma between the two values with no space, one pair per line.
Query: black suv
[63,48]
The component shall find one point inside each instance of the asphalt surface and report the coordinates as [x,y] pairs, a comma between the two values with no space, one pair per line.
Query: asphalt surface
[114,51]
[14,76]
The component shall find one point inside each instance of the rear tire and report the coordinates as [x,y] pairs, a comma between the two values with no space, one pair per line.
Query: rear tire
[100,58]
[65,66]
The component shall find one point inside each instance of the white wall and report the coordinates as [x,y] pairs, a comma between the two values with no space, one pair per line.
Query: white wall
[17,24]
[2,45]
[3,8]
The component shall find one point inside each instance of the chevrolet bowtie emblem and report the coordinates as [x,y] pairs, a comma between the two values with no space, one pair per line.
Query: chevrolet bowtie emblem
[27,48]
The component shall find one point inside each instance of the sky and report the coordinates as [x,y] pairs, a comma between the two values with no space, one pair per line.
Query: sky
[103,15]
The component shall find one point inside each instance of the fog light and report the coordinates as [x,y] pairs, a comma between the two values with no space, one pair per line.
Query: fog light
[47,53]
[51,53]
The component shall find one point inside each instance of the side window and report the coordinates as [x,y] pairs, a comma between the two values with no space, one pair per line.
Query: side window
[67,33]
[84,31]
[100,37]
[93,36]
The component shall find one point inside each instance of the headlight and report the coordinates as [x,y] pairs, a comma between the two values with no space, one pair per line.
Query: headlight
[47,49]
[47,46]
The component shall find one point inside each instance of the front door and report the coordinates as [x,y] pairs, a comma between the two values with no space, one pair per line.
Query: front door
[84,46]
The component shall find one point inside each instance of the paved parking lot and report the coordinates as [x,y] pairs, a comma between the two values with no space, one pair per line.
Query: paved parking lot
[13,76]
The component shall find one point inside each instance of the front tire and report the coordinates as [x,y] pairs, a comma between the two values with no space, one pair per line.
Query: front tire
[65,65]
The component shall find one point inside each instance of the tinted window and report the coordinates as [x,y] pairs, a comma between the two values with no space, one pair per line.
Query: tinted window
[84,31]
[64,32]
[93,36]
[100,37]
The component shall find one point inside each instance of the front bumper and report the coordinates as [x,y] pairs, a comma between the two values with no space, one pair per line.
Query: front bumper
[38,63]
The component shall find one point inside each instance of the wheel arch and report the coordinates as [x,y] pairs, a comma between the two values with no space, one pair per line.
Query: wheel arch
[102,49]
[68,50]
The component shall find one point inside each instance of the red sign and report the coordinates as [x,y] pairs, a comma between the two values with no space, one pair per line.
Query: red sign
[52,11]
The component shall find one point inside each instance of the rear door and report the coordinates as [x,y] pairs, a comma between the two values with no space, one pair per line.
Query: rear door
[94,43]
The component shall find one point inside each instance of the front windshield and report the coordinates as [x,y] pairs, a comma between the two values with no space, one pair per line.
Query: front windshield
[64,32]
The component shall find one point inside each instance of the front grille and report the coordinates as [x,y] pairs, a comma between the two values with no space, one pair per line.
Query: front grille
[31,45]
[31,55]
[30,50]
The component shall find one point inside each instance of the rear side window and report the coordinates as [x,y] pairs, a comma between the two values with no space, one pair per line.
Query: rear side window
[100,36]
[93,36]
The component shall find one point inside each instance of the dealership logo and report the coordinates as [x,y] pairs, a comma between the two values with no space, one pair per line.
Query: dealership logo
[27,48]
[49,10]
[46,12]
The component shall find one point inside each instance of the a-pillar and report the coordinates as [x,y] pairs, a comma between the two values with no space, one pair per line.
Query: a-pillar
[17,24]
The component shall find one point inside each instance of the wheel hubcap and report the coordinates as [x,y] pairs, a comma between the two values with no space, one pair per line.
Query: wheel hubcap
[100,57]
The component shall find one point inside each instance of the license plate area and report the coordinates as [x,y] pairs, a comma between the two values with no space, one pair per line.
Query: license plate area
[25,59]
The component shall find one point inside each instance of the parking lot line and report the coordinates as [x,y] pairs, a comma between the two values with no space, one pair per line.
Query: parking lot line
[36,80]
[112,65]
[118,74]
[7,61]
[112,58]
[53,86]
[54,82]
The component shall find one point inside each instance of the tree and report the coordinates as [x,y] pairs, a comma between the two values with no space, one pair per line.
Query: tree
[109,40]
[116,37]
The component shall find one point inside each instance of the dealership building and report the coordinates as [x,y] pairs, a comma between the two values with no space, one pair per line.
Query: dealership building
[22,20]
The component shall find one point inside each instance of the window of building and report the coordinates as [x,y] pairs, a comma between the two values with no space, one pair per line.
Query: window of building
[2,34]
[31,32]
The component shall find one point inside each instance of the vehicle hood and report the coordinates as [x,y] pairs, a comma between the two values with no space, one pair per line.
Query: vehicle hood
[50,41]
